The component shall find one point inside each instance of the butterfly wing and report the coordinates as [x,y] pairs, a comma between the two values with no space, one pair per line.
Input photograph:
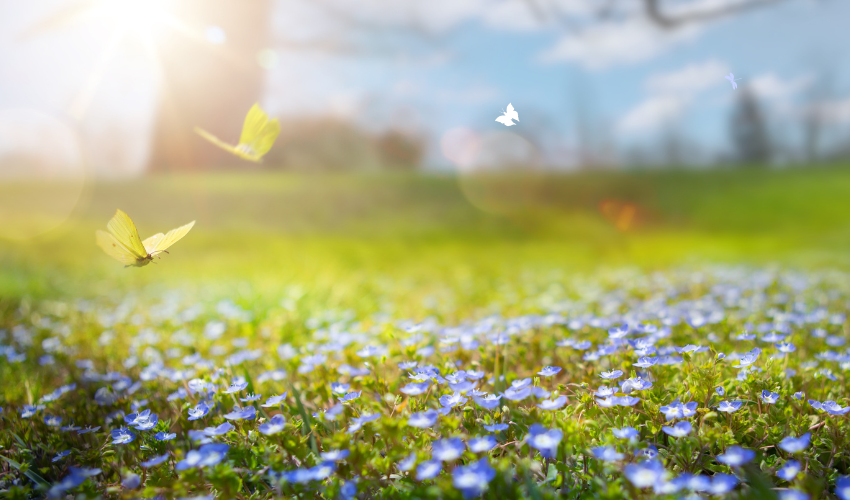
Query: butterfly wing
[161,243]
[264,142]
[150,243]
[505,120]
[123,229]
[729,77]
[511,114]
[115,248]
[255,121]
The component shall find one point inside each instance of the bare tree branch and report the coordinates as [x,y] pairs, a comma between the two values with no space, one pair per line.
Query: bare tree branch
[667,20]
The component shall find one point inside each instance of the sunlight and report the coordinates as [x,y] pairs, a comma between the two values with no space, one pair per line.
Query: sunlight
[141,17]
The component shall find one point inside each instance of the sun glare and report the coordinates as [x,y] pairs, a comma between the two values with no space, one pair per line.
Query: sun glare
[140,17]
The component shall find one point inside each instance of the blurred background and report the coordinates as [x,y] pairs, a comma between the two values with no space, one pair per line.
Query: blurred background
[630,141]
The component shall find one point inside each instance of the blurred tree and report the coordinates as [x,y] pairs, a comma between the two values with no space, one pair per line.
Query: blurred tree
[749,132]
[211,88]
[399,150]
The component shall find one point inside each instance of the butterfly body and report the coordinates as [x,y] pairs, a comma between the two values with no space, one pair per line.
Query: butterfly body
[508,116]
[121,241]
[258,136]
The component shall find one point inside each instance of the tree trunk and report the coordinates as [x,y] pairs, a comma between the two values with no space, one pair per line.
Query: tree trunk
[207,84]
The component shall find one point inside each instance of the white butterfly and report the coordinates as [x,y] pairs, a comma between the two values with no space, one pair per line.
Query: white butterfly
[508,116]
[731,79]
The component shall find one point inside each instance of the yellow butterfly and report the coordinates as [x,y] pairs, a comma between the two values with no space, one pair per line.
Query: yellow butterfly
[258,136]
[123,244]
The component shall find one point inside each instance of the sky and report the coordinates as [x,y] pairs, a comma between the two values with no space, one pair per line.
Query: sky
[438,66]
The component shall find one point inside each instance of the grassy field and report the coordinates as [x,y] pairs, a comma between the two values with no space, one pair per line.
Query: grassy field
[274,229]
[308,275]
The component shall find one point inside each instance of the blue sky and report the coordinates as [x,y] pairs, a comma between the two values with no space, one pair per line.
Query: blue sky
[633,80]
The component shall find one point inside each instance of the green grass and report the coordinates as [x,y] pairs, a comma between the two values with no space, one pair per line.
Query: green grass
[271,229]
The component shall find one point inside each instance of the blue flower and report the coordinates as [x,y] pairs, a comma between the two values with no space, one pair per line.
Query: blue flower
[275,425]
[680,429]
[607,453]
[424,419]
[88,429]
[496,427]
[122,436]
[207,455]
[678,410]
[722,483]
[769,397]
[789,471]
[842,487]
[729,406]
[415,389]
[274,401]
[357,422]
[748,358]
[611,375]
[164,436]
[720,391]
[28,411]
[795,445]
[219,431]
[635,384]
[340,388]
[408,463]
[331,413]
[236,387]
[625,433]
[131,481]
[447,450]
[482,444]
[830,407]
[488,402]
[604,391]
[545,441]
[251,397]
[428,470]
[335,455]
[646,361]
[644,474]
[199,411]
[249,413]
[549,371]
[62,454]
[556,404]
[472,480]
[351,396]
[792,494]
[786,347]
[407,365]
[154,461]
[514,394]
[452,400]
[142,421]
[540,393]
[52,420]
[736,456]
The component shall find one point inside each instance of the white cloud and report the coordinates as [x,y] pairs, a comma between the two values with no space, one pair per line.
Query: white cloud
[652,113]
[770,86]
[607,44]
[690,79]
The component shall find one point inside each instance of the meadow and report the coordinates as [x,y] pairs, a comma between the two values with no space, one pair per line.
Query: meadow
[598,335]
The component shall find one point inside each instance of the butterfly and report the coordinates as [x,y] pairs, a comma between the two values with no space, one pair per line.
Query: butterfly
[258,136]
[123,244]
[731,79]
[508,116]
